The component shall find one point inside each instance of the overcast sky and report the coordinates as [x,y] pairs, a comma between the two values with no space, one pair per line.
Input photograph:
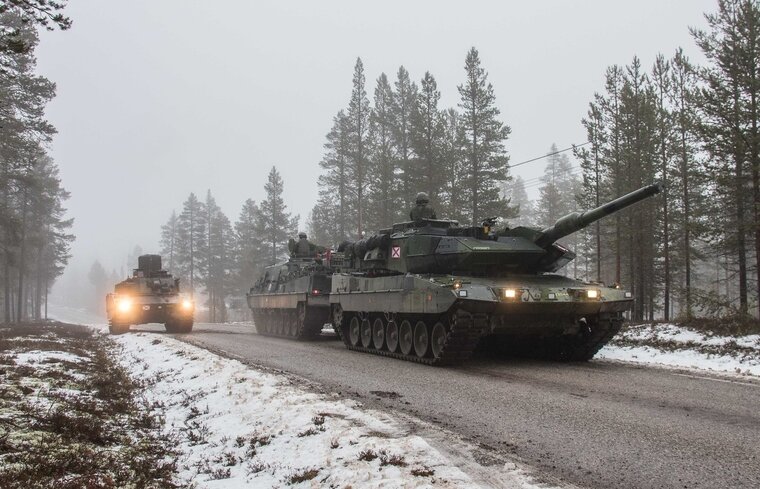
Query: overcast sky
[157,99]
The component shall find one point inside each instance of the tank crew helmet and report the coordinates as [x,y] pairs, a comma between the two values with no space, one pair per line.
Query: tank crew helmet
[302,235]
[422,198]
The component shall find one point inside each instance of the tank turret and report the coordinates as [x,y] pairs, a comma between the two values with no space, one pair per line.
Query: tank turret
[442,246]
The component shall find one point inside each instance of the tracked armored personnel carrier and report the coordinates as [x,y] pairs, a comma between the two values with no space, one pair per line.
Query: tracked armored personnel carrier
[291,298]
[150,295]
[430,291]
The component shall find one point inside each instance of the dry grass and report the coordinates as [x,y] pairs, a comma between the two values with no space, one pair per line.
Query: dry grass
[72,424]
[303,475]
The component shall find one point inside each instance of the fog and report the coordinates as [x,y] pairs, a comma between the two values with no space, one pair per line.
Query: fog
[160,99]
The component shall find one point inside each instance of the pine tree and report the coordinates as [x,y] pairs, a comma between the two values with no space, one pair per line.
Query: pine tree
[190,238]
[384,197]
[689,177]
[427,133]
[482,137]
[357,124]
[592,167]
[515,192]
[731,127]
[661,85]
[277,226]
[23,96]
[452,200]
[558,188]
[249,247]
[335,210]
[169,240]
[405,100]
[216,258]
[99,280]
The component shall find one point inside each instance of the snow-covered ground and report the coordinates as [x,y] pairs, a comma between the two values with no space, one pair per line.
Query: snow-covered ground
[239,427]
[675,346]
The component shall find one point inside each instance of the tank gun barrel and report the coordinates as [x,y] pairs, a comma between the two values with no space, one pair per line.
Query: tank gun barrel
[578,220]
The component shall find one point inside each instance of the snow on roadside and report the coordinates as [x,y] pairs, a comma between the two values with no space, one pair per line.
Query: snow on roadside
[676,346]
[239,427]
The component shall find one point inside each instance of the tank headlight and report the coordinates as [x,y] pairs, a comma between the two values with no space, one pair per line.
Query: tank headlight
[510,293]
[628,295]
[187,304]
[592,294]
[124,305]
[457,285]
[551,296]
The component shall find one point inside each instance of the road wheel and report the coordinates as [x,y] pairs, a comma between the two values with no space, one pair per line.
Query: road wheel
[391,336]
[354,331]
[366,333]
[405,337]
[378,334]
[421,339]
[337,317]
[438,339]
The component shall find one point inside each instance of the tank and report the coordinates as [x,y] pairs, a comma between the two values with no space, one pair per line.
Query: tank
[150,295]
[290,300]
[432,291]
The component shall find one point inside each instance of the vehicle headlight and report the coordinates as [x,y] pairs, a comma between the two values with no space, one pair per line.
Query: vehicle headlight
[124,305]
[510,293]
[187,304]
[592,294]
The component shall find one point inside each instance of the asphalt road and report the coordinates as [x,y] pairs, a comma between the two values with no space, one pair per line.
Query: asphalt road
[599,424]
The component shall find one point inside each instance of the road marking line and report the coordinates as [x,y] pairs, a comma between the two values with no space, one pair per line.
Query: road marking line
[718,380]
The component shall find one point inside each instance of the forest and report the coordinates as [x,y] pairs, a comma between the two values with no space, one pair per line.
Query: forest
[34,230]
[691,252]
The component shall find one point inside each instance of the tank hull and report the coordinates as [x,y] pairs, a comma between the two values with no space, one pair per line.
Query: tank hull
[295,308]
[444,317]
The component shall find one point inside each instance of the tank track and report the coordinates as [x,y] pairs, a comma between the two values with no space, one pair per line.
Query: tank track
[464,330]
[290,323]
[579,347]
[589,342]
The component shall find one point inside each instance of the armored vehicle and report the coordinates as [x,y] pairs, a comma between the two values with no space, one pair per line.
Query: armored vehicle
[150,295]
[430,291]
[291,299]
